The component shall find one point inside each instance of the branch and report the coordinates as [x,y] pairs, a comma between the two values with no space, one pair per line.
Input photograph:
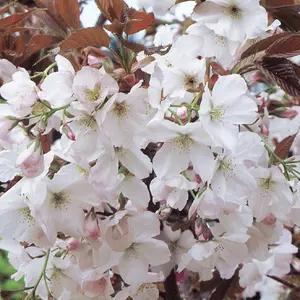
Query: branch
[171,287]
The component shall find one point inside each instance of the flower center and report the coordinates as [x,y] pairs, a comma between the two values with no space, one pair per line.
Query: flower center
[266,184]
[25,212]
[92,95]
[88,121]
[183,141]
[121,109]
[217,112]
[190,82]
[234,11]
[60,200]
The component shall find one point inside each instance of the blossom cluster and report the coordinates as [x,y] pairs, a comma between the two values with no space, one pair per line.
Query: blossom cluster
[177,174]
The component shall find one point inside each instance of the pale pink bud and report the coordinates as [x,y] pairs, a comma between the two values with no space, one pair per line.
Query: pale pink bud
[202,229]
[91,227]
[182,112]
[93,60]
[97,288]
[72,244]
[287,113]
[130,79]
[269,220]
[31,161]
[119,237]
[68,132]
[165,213]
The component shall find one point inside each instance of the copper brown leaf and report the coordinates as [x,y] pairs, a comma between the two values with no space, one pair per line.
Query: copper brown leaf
[39,42]
[288,16]
[264,44]
[288,46]
[12,46]
[111,9]
[283,148]
[14,19]
[69,11]
[282,72]
[85,37]
[137,21]
[50,5]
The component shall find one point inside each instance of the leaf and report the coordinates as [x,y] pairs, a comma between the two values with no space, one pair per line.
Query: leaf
[85,37]
[39,42]
[14,19]
[263,45]
[283,148]
[282,72]
[288,46]
[111,9]
[12,46]
[50,5]
[138,20]
[69,11]
[288,16]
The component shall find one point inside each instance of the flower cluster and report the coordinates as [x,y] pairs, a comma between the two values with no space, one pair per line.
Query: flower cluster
[177,173]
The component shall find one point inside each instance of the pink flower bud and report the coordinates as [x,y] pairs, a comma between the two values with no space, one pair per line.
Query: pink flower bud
[130,80]
[269,220]
[93,60]
[31,161]
[202,229]
[182,112]
[119,237]
[288,113]
[91,227]
[72,244]
[68,132]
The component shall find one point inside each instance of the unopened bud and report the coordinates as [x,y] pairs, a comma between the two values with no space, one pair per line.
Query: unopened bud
[164,213]
[201,228]
[130,80]
[287,113]
[182,112]
[269,220]
[68,132]
[91,227]
[72,244]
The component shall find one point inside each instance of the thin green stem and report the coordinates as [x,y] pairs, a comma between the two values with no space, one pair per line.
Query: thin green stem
[43,274]
[17,291]
[175,116]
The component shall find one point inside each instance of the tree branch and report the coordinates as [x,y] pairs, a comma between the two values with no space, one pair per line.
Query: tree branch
[171,287]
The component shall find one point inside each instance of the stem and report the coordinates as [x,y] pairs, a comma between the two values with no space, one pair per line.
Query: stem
[172,291]
[40,277]
[290,285]
[175,116]
[17,291]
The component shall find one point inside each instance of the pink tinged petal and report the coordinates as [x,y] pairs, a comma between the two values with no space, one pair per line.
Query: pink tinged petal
[144,225]
[155,252]
[201,251]
[203,161]
[133,269]
[207,12]
[162,131]
[136,191]
[225,83]
[170,160]
[171,235]
[232,253]
[186,240]
[64,65]
[177,199]
[8,170]
[135,161]
[244,111]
